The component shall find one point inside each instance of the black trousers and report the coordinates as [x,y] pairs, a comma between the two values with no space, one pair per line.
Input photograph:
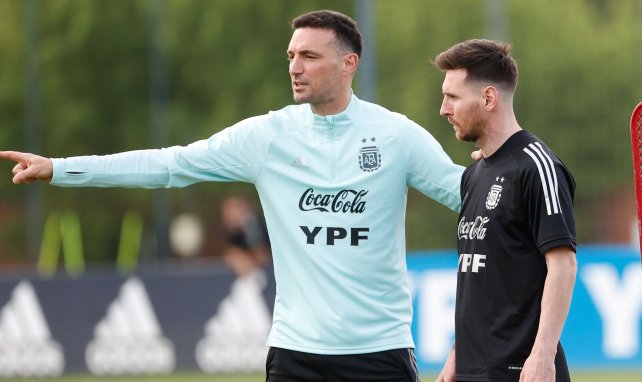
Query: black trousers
[397,365]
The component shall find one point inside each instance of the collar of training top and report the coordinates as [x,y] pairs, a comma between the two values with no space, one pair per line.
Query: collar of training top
[344,117]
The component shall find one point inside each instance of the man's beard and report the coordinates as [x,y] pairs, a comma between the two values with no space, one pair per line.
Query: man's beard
[472,134]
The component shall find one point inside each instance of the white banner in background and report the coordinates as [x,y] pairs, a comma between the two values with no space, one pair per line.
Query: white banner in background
[619,302]
[604,324]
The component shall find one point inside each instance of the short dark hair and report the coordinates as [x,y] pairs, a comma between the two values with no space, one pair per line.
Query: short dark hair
[345,28]
[484,61]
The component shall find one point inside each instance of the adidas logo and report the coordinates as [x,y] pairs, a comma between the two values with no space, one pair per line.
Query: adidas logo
[235,337]
[26,346]
[129,339]
[299,162]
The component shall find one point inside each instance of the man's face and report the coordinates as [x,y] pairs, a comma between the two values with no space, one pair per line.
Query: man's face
[316,68]
[463,106]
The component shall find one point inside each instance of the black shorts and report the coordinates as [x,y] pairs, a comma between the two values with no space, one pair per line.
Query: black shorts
[397,365]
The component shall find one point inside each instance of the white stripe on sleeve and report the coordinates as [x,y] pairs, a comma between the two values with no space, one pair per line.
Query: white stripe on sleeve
[547,176]
[555,192]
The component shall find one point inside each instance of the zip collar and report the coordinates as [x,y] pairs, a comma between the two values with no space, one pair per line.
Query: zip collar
[334,120]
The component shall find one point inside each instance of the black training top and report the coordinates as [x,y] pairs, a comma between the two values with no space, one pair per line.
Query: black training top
[516,205]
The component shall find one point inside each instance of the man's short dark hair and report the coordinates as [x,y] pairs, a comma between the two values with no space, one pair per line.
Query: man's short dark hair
[345,28]
[484,61]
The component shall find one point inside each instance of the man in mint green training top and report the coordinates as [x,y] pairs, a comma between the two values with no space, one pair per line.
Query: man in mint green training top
[332,174]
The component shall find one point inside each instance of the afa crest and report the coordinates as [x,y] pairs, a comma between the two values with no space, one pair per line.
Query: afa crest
[369,158]
[495,193]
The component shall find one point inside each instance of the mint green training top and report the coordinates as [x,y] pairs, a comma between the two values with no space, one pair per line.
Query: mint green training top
[333,190]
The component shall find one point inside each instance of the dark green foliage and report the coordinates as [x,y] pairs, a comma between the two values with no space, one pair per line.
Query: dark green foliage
[580,65]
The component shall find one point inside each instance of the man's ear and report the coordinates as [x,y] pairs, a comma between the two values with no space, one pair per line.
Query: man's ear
[490,96]
[350,62]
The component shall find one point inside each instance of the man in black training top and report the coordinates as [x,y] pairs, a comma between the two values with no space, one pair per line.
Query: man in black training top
[516,232]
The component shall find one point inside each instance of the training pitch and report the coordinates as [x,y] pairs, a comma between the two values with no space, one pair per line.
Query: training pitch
[584,376]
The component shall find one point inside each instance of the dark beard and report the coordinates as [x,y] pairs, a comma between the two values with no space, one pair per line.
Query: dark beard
[471,136]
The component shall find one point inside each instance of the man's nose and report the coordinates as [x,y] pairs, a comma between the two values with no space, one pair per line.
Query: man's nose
[295,66]
[445,109]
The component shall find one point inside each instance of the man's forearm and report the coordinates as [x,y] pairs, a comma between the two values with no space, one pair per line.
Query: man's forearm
[556,299]
[144,168]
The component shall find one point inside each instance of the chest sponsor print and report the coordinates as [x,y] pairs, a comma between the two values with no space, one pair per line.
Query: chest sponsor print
[472,230]
[344,201]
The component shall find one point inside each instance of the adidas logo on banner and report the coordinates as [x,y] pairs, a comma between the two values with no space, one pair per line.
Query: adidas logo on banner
[129,340]
[26,346]
[235,337]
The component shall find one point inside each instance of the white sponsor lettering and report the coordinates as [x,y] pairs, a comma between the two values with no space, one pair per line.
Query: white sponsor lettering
[129,339]
[235,337]
[472,230]
[476,260]
[619,303]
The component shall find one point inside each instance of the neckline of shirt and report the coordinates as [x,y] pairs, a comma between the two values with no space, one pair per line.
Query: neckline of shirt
[512,141]
[333,120]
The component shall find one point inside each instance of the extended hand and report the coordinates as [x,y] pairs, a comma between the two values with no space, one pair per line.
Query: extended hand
[29,167]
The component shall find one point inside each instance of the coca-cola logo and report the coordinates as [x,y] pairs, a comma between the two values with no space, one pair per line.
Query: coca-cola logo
[346,201]
[472,230]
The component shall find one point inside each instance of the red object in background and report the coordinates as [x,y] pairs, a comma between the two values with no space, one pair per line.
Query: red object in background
[636,147]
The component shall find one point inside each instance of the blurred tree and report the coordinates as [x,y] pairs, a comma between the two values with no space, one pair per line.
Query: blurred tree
[579,80]
[580,77]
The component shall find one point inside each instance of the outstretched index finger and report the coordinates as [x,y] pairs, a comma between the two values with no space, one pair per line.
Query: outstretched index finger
[13,155]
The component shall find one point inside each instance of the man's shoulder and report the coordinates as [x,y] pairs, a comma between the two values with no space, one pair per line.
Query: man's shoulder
[528,150]
[535,153]
[275,120]
[375,111]
[524,142]
[287,113]
[534,159]
[291,110]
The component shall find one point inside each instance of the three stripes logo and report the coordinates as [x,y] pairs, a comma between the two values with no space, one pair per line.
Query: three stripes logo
[26,346]
[235,337]
[547,175]
[129,340]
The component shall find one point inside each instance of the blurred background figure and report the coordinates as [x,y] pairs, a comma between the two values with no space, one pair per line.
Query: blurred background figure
[246,242]
[235,336]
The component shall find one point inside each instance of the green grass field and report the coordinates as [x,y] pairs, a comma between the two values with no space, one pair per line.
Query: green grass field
[593,376]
